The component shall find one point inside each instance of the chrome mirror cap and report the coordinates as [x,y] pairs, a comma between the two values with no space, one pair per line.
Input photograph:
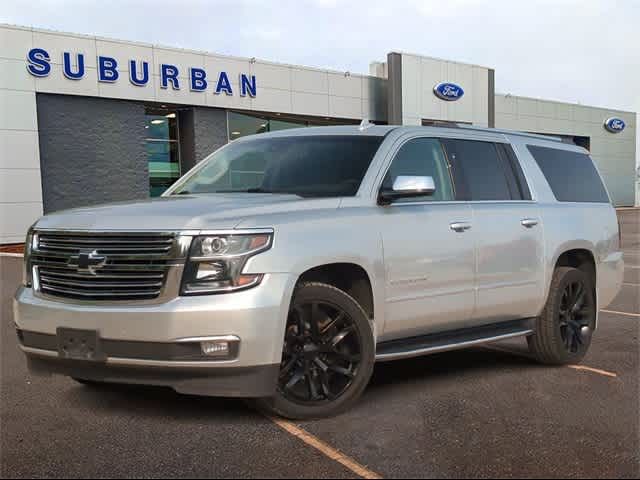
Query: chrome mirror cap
[415,185]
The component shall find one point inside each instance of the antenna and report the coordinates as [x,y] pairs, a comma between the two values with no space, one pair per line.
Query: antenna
[365,124]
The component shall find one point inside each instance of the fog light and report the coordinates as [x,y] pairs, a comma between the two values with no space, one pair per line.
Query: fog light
[218,348]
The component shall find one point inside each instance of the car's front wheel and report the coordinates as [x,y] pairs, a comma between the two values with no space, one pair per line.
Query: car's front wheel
[328,354]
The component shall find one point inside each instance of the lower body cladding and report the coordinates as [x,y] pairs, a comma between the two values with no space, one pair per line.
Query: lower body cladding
[215,345]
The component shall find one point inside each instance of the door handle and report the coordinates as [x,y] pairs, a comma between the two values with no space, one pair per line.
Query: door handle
[460,226]
[529,222]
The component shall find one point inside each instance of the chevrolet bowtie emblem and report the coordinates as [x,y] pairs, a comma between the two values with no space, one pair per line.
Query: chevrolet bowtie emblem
[87,262]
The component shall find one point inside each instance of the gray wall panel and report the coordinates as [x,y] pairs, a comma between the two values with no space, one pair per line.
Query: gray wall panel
[92,151]
[210,130]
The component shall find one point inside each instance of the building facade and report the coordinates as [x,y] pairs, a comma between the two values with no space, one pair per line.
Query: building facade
[87,120]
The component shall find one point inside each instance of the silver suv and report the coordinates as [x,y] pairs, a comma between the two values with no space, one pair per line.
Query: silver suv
[285,265]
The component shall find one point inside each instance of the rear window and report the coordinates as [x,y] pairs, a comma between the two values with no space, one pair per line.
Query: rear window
[571,175]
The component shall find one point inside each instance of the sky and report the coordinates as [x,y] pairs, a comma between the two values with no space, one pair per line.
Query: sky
[581,51]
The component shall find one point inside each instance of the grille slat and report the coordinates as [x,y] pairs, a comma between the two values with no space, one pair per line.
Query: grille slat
[135,269]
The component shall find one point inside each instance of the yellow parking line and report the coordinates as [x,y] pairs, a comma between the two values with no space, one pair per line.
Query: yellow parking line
[594,370]
[325,449]
[621,313]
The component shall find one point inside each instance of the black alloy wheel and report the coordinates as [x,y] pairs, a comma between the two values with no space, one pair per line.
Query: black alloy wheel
[564,329]
[575,316]
[327,357]
[321,353]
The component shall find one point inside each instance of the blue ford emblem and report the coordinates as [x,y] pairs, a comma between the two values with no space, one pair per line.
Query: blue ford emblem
[614,125]
[448,91]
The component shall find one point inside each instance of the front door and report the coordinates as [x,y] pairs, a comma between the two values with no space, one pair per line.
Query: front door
[428,248]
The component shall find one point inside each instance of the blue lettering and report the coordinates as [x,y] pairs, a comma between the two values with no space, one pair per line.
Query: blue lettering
[133,73]
[198,79]
[224,84]
[107,69]
[169,73]
[39,65]
[247,85]
[67,68]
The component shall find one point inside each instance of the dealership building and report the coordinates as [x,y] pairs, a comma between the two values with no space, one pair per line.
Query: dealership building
[87,120]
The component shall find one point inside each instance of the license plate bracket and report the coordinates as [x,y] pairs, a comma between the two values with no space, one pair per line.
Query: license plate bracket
[78,344]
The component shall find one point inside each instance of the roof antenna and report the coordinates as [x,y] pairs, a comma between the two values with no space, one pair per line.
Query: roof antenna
[365,124]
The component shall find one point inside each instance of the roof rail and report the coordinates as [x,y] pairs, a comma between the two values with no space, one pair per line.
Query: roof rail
[511,132]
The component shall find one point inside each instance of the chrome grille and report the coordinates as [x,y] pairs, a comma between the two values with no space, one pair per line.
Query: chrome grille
[135,266]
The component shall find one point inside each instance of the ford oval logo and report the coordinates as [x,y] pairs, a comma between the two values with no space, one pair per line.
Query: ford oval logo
[615,125]
[448,91]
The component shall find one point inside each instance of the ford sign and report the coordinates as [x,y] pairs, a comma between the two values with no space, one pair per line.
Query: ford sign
[448,91]
[615,125]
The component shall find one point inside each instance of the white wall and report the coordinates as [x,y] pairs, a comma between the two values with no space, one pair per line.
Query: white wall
[280,88]
[614,153]
[421,74]
[20,183]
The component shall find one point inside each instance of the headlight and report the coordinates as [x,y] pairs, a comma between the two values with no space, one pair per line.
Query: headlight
[27,269]
[216,262]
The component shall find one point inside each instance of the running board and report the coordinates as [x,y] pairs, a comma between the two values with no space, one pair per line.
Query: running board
[452,340]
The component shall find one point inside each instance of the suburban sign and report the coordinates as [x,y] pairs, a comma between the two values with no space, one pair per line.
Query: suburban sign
[448,91]
[109,70]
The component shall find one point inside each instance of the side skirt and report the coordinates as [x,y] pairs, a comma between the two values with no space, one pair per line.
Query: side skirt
[452,340]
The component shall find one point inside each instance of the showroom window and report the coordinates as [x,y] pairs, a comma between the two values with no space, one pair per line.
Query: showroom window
[163,152]
[242,124]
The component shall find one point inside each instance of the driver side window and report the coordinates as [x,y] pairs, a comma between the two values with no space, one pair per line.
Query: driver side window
[422,157]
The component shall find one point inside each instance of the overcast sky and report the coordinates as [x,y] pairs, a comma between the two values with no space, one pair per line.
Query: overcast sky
[585,51]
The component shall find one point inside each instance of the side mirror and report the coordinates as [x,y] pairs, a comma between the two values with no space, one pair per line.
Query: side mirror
[407,187]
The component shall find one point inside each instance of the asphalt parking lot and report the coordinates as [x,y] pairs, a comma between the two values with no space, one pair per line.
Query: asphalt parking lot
[484,412]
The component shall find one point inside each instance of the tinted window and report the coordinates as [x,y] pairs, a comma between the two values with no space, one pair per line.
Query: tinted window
[422,157]
[571,175]
[479,170]
[511,160]
[314,166]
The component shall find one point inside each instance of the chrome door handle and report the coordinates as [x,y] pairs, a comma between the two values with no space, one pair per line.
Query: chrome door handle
[460,226]
[529,222]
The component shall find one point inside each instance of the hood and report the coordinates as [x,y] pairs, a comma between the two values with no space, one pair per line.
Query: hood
[189,212]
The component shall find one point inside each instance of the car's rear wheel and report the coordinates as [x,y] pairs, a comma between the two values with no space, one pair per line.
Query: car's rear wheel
[328,354]
[564,330]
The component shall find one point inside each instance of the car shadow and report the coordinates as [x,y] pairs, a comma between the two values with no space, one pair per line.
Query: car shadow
[150,401]
[164,402]
[427,368]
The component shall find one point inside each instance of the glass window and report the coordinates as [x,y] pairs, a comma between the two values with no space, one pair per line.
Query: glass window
[243,124]
[422,157]
[479,171]
[571,175]
[163,152]
[313,166]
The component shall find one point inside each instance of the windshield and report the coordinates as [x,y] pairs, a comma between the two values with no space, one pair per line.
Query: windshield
[313,166]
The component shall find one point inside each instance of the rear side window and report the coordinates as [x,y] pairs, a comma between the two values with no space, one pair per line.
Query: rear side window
[481,174]
[571,175]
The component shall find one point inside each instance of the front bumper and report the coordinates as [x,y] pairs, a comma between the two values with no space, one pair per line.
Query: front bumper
[256,316]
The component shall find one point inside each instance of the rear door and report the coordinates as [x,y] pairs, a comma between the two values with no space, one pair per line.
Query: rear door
[507,227]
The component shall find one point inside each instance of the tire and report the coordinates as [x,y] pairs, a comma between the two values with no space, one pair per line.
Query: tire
[563,333]
[322,356]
